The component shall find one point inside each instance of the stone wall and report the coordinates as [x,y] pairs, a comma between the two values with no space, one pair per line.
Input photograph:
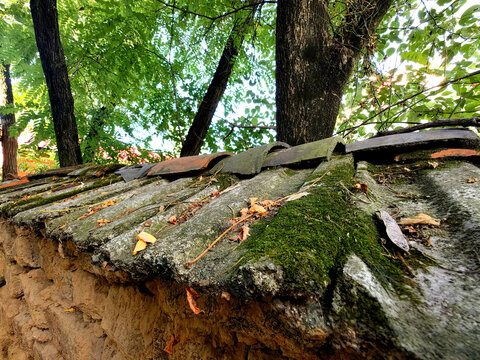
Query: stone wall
[54,304]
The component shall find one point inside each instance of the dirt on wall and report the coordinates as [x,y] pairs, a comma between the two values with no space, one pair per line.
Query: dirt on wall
[54,304]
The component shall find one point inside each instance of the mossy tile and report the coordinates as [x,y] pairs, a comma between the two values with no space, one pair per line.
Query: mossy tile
[314,151]
[249,162]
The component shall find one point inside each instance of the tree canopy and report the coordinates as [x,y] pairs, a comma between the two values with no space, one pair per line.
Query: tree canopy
[139,69]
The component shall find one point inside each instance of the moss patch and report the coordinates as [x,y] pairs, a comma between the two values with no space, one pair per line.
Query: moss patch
[313,236]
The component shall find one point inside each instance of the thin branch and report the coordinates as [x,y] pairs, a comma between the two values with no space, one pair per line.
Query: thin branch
[441,85]
[214,18]
[473,121]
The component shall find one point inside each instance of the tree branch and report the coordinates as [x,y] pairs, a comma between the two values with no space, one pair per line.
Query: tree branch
[441,85]
[473,121]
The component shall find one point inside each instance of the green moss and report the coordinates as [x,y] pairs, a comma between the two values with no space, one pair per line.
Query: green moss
[23,205]
[313,236]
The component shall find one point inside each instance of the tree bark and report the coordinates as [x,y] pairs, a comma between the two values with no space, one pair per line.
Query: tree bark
[9,143]
[314,62]
[47,35]
[201,123]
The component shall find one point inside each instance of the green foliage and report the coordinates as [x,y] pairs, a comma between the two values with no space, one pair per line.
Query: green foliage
[150,62]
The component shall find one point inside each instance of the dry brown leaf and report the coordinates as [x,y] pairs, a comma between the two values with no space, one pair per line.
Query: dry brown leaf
[472,180]
[148,223]
[102,222]
[362,187]
[93,210]
[191,296]
[169,348]
[244,212]
[244,233]
[420,219]
[173,220]
[257,209]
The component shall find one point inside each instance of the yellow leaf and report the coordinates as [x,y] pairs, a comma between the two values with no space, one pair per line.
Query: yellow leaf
[139,247]
[146,237]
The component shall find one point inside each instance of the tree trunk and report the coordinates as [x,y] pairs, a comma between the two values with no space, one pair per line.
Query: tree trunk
[314,62]
[9,144]
[201,123]
[92,137]
[45,23]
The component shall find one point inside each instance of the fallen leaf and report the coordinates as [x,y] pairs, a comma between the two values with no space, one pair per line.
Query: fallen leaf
[244,233]
[102,222]
[191,296]
[252,201]
[216,193]
[93,210]
[173,220]
[420,219]
[433,164]
[226,296]
[146,237]
[257,209]
[472,180]
[70,310]
[148,223]
[394,232]
[139,246]
[244,212]
[161,209]
[362,187]
[169,348]
[410,229]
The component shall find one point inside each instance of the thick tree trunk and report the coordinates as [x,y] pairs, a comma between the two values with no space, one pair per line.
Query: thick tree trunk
[313,64]
[45,23]
[9,144]
[201,123]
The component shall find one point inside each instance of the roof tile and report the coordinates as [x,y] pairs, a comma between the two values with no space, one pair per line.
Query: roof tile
[188,164]
[249,162]
[319,150]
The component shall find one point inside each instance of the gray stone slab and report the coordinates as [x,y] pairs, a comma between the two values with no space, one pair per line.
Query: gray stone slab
[423,139]
[315,151]
[249,162]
